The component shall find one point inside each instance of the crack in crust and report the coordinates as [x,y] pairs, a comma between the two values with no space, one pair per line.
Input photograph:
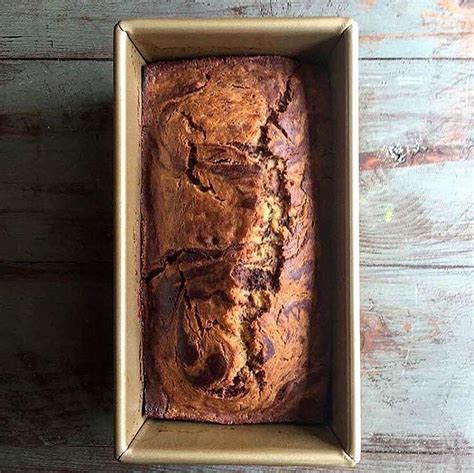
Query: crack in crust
[194,178]
[193,125]
[275,232]
[170,258]
[189,255]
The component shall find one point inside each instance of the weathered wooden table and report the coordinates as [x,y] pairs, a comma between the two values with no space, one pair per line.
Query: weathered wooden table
[416,227]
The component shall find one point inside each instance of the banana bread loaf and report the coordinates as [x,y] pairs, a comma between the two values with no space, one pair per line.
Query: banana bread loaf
[232,329]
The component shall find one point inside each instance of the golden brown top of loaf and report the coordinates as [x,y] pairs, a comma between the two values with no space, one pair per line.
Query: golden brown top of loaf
[232,332]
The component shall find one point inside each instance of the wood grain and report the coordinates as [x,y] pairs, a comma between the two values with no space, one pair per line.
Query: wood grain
[56,250]
[415,112]
[56,253]
[56,360]
[99,459]
[56,166]
[418,217]
[402,29]
[56,228]
[417,349]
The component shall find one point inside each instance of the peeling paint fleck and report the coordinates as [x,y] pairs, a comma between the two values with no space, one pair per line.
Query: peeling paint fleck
[407,326]
[388,216]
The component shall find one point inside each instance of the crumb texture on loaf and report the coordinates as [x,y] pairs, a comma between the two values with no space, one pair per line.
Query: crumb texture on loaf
[232,330]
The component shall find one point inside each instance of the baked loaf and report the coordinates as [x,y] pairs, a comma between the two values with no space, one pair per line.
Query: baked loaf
[232,333]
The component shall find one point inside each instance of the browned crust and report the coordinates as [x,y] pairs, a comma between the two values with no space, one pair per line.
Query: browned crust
[229,240]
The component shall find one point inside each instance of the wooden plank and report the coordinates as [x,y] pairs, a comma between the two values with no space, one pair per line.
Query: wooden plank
[417,352]
[57,163]
[418,217]
[403,463]
[402,29]
[415,112]
[56,359]
[101,459]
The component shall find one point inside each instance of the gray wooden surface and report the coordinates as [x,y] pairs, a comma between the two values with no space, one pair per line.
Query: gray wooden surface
[389,28]
[417,255]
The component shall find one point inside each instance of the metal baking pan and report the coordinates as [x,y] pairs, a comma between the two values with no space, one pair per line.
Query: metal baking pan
[143,440]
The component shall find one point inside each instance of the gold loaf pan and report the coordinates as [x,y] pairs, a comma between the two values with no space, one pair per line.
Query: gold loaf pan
[143,440]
